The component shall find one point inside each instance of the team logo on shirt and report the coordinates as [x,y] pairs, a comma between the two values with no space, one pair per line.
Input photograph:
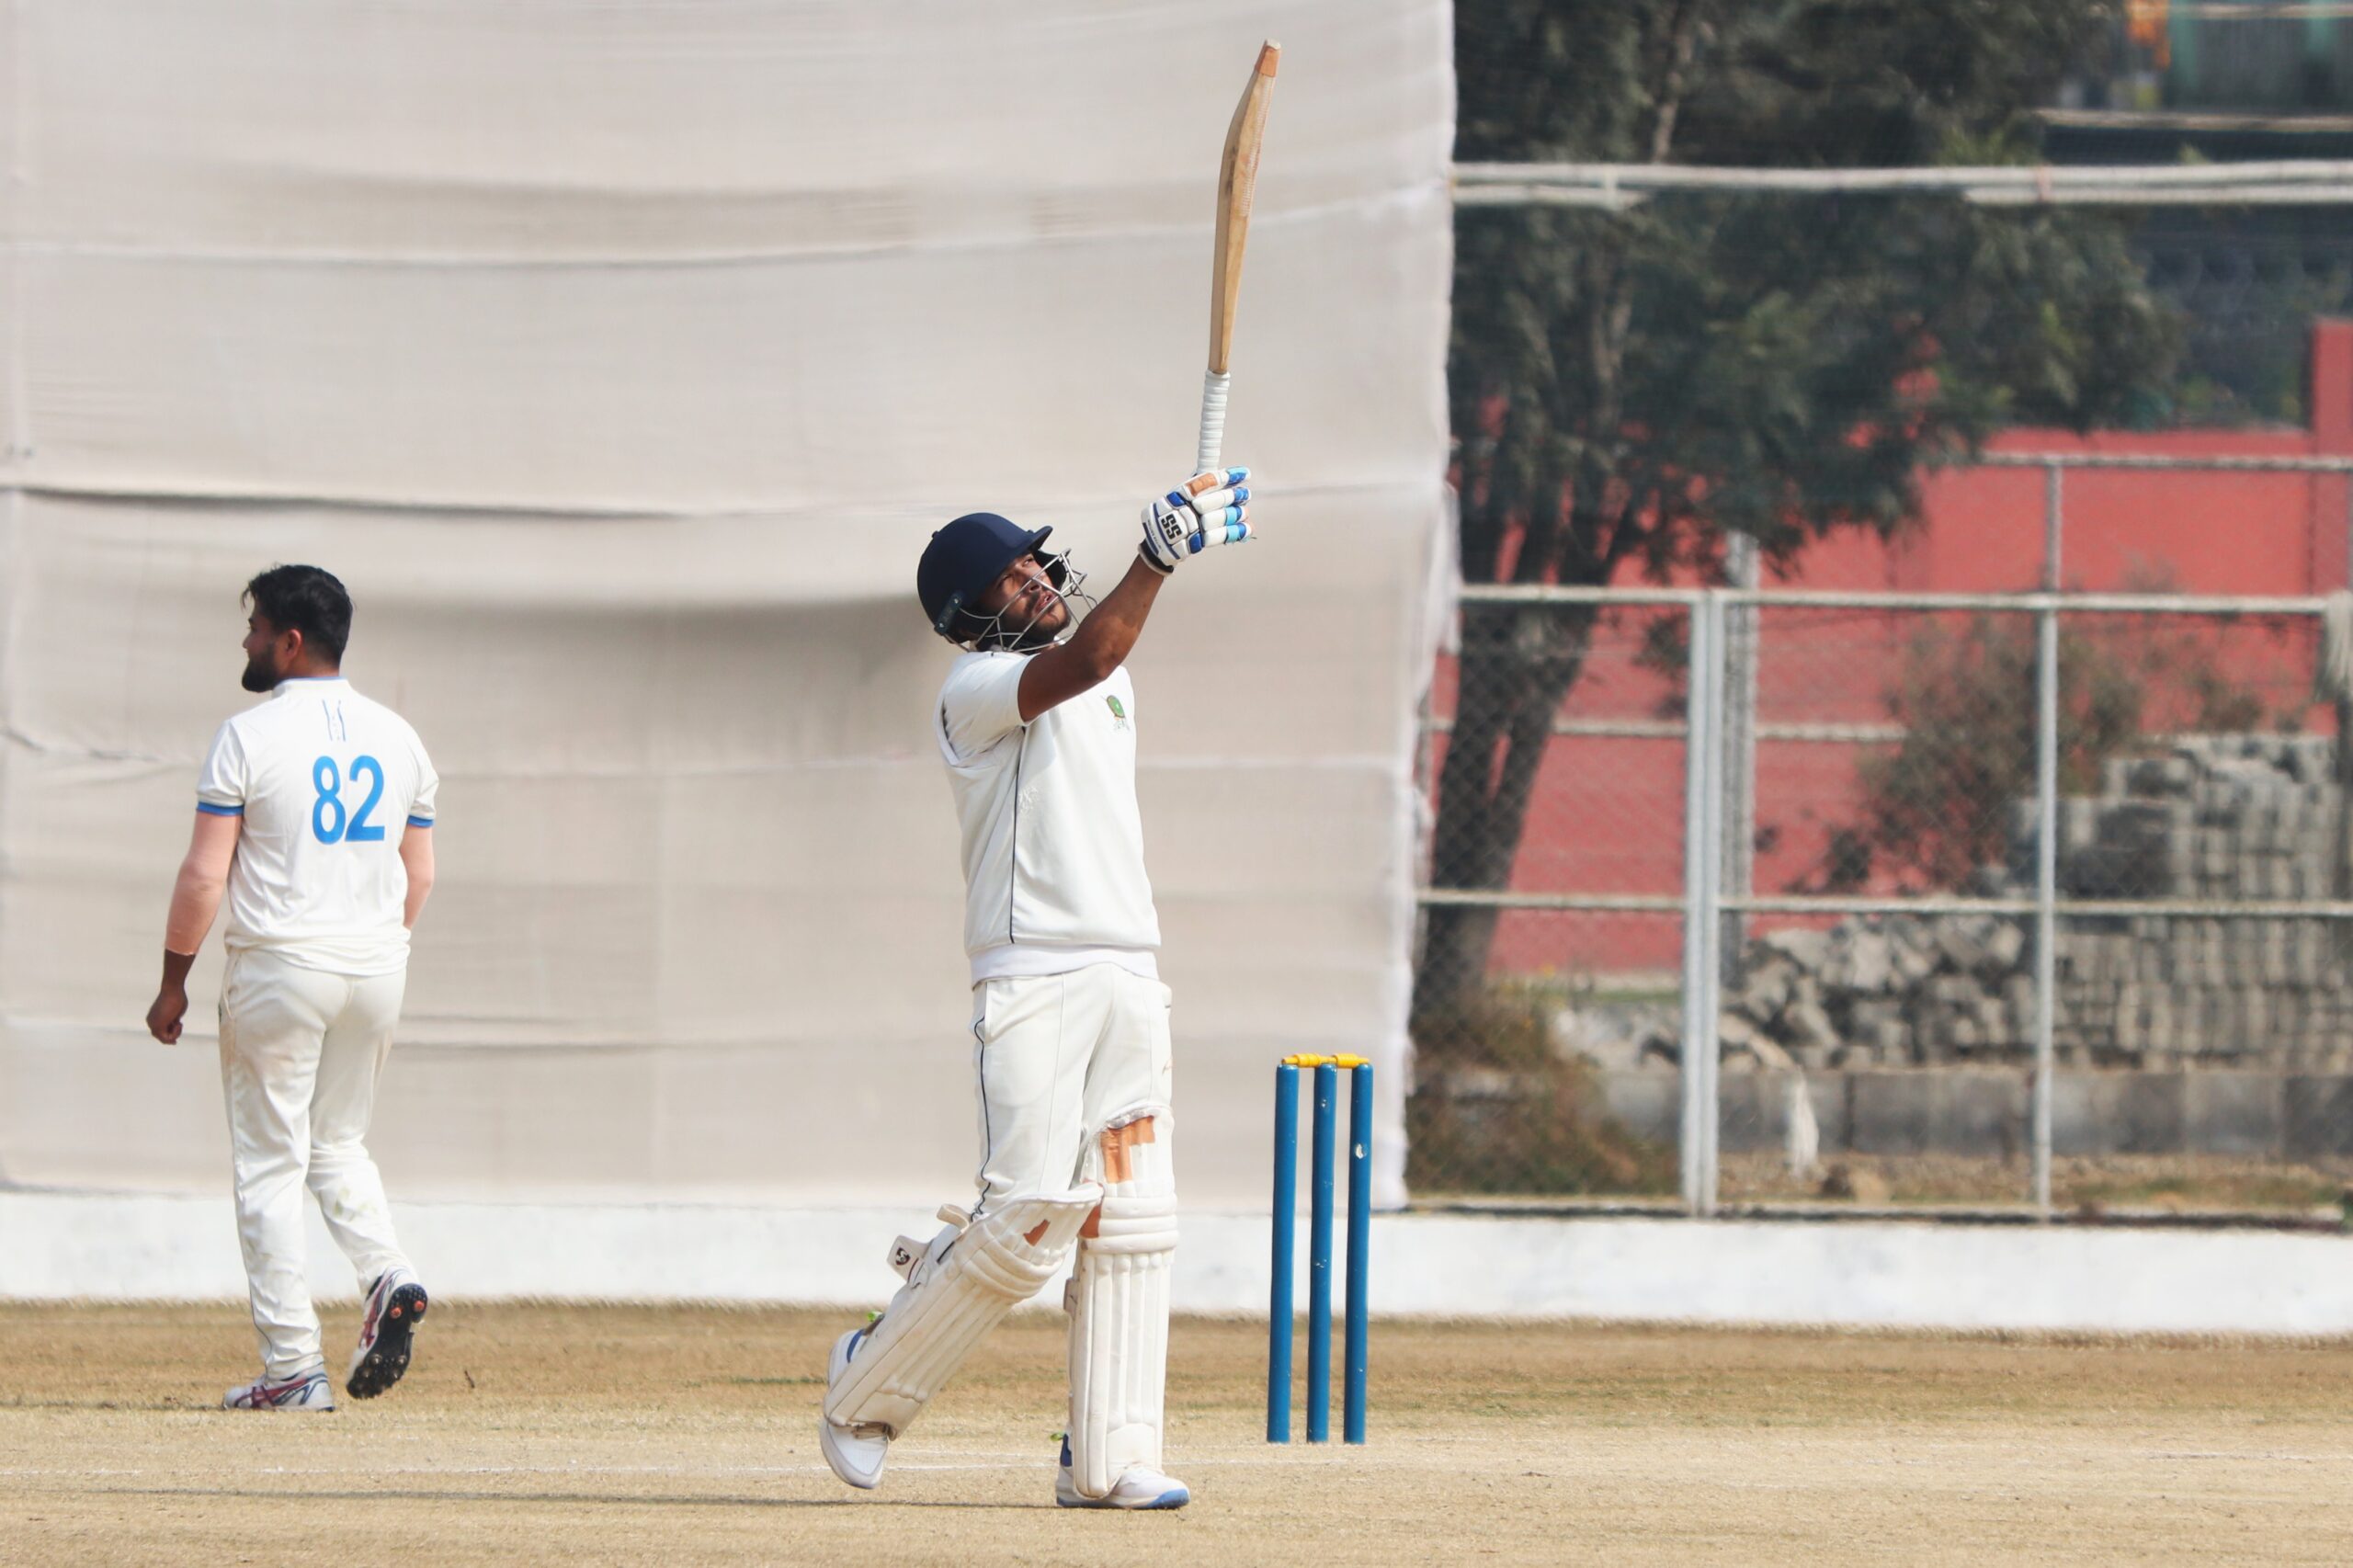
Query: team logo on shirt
[1118,714]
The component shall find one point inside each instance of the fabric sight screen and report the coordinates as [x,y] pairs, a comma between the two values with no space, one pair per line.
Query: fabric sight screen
[621,357]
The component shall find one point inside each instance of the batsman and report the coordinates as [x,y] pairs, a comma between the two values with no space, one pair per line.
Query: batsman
[1036,722]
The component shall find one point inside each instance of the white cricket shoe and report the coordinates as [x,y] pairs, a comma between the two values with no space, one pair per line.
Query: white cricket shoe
[856,1453]
[307,1391]
[396,1301]
[1136,1488]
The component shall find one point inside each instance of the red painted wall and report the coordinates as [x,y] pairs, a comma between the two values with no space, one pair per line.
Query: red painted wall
[1607,813]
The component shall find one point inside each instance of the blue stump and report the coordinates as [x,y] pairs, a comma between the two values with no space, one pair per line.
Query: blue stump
[1319,1260]
[1286,1213]
[1359,1240]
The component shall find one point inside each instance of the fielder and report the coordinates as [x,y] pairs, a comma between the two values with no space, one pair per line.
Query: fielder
[314,813]
[1036,722]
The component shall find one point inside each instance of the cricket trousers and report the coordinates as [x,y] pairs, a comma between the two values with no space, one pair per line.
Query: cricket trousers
[300,1053]
[1058,1058]
[1075,1085]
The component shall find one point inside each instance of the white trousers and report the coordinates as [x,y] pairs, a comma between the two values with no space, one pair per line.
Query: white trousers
[301,1052]
[1058,1057]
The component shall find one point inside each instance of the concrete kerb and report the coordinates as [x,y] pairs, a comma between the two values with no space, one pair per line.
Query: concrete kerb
[1864,1273]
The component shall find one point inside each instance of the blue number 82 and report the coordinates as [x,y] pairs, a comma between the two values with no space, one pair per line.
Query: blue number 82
[330,823]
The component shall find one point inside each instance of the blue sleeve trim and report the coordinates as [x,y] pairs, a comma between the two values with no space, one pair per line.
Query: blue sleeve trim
[420,822]
[209,809]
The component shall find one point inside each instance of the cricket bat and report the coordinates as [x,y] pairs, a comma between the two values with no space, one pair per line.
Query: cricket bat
[1237,181]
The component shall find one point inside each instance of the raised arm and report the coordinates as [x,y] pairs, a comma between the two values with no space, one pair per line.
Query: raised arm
[1100,645]
[196,899]
[1207,510]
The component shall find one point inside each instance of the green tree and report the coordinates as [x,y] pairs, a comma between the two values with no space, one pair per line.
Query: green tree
[1629,386]
[1935,808]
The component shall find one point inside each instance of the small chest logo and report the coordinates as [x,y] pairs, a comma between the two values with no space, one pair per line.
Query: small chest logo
[1118,714]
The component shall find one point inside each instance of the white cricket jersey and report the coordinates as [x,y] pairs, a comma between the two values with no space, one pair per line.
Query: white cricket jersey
[1053,844]
[326,782]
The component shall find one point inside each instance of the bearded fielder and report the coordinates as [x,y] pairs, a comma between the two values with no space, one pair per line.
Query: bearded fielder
[1036,723]
[314,816]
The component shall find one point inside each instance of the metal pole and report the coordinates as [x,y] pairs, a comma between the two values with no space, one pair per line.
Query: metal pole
[1360,1248]
[2341,876]
[1739,849]
[2054,524]
[1279,1321]
[2046,847]
[1698,1033]
[1319,1260]
[1711,862]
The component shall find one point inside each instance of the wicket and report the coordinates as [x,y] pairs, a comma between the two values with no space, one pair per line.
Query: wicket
[1279,1326]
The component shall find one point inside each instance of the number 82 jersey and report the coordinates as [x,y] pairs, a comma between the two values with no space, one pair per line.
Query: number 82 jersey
[327,782]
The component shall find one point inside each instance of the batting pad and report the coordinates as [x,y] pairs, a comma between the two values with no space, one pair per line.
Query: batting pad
[1119,1306]
[967,1281]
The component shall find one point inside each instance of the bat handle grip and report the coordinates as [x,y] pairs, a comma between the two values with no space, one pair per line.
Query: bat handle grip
[1213,385]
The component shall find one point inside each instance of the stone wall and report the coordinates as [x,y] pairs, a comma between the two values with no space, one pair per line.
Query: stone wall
[2237,1112]
[2229,818]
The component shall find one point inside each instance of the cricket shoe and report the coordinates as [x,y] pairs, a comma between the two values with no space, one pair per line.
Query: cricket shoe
[309,1390]
[856,1453]
[387,1327]
[1137,1487]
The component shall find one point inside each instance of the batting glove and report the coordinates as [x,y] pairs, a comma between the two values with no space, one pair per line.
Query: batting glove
[1206,509]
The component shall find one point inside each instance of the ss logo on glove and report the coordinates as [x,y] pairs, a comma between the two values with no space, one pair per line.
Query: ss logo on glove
[1206,509]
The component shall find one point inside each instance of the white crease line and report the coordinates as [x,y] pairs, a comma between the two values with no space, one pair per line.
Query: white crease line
[2226,1454]
[1009,1461]
[1000,1462]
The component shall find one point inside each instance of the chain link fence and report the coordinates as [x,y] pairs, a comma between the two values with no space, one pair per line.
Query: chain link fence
[1827,955]
[1552,942]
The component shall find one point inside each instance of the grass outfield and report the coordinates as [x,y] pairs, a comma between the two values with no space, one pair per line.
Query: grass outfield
[590,1435]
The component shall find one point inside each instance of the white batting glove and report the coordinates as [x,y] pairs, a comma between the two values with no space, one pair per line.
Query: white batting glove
[1206,509]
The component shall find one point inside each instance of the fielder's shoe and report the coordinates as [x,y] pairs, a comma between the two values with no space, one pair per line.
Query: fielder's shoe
[396,1303]
[1136,1488]
[305,1391]
[856,1453]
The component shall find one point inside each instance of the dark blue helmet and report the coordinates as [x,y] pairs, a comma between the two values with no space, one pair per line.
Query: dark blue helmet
[960,563]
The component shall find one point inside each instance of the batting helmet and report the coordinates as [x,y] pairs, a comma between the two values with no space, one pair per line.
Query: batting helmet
[960,563]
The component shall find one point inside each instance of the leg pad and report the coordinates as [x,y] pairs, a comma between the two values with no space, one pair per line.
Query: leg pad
[963,1285]
[1119,1306]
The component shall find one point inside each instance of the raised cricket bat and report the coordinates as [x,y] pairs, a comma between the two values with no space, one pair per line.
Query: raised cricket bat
[1237,181]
